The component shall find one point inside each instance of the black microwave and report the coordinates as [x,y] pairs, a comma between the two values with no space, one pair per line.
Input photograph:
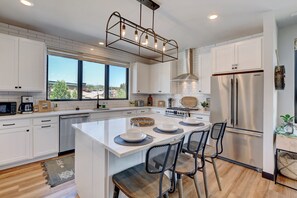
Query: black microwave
[8,108]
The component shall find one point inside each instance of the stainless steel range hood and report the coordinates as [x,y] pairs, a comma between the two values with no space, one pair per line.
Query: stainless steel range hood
[189,75]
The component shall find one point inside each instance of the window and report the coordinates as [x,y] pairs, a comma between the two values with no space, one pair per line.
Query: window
[62,78]
[117,82]
[93,80]
[71,79]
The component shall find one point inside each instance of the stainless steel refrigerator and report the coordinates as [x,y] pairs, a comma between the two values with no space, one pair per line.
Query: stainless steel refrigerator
[238,98]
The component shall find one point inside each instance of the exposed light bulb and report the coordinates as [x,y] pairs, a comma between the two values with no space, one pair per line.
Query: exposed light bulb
[156,43]
[123,30]
[146,39]
[136,36]
[164,48]
[213,16]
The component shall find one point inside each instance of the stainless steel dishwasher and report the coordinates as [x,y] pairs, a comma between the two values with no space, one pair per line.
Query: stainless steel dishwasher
[67,132]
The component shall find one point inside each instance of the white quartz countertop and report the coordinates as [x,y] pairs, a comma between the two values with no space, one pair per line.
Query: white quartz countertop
[105,131]
[69,112]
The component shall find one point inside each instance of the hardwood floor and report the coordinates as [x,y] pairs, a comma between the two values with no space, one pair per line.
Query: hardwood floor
[28,181]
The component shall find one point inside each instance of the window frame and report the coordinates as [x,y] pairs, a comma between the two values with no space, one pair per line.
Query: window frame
[80,81]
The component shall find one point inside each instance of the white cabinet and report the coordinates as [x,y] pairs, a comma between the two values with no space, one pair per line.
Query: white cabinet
[160,78]
[22,64]
[205,71]
[15,143]
[31,65]
[140,78]
[45,136]
[153,79]
[241,56]
[158,111]
[9,62]
[201,117]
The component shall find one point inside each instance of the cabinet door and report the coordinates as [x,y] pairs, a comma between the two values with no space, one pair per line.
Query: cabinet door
[31,65]
[155,78]
[204,72]
[165,78]
[45,140]
[140,78]
[9,62]
[249,54]
[160,80]
[223,58]
[15,145]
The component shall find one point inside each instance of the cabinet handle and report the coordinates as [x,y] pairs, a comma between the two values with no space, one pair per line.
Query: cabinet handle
[46,120]
[199,118]
[160,91]
[15,87]
[138,91]
[20,87]
[27,130]
[9,124]
[47,126]
[158,112]
[129,112]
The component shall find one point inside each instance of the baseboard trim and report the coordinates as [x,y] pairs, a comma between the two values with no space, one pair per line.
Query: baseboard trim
[268,176]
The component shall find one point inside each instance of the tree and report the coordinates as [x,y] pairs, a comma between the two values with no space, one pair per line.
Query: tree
[74,94]
[60,91]
[121,93]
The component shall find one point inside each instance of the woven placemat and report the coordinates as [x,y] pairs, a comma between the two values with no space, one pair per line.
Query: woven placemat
[186,124]
[178,131]
[120,141]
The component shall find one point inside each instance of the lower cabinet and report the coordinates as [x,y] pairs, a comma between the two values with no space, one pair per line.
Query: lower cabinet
[45,140]
[15,145]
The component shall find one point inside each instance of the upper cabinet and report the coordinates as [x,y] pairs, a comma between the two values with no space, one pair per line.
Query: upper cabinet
[22,64]
[160,78]
[241,56]
[205,71]
[152,79]
[140,78]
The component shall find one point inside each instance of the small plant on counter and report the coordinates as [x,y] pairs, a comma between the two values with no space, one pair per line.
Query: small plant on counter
[287,125]
[204,105]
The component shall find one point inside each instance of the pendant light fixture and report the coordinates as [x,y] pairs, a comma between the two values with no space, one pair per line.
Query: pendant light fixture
[125,35]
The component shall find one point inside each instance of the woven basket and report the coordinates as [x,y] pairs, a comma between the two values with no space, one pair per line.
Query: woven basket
[287,164]
[142,121]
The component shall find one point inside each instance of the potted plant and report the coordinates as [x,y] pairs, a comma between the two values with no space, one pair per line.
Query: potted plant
[204,105]
[288,125]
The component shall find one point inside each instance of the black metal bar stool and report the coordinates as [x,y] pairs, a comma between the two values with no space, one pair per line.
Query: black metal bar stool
[211,151]
[148,179]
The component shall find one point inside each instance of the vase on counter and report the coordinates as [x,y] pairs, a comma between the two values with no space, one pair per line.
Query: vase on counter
[150,100]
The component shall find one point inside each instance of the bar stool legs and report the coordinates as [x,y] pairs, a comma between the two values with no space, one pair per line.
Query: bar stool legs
[180,186]
[116,192]
[205,181]
[197,185]
[216,172]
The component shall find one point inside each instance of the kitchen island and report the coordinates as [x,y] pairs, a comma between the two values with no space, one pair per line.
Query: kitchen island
[98,157]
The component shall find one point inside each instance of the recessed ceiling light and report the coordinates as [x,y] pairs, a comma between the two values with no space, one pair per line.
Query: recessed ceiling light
[213,16]
[27,3]
[101,43]
[92,49]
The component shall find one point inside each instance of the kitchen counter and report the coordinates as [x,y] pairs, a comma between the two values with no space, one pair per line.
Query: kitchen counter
[97,157]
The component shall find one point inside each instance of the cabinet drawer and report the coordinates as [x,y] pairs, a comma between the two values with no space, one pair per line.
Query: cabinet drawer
[141,111]
[8,124]
[45,120]
[129,112]
[201,117]
[158,111]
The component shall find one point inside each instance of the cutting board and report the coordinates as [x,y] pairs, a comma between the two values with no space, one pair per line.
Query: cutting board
[189,102]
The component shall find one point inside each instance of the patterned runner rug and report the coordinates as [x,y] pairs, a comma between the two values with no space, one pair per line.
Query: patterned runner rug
[59,171]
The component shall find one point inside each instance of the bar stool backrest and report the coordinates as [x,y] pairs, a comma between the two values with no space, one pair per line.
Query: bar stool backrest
[217,134]
[198,141]
[168,153]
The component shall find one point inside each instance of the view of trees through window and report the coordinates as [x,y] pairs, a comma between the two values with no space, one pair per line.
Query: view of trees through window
[71,79]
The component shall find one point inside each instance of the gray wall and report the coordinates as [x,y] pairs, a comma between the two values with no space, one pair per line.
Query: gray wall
[286,38]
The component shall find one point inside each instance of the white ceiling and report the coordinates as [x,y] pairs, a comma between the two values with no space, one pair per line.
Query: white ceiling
[185,21]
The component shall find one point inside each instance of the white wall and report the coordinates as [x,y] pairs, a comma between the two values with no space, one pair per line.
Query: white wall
[270,95]
[286,38]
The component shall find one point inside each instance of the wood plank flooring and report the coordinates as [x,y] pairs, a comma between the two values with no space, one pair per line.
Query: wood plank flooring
[28,181]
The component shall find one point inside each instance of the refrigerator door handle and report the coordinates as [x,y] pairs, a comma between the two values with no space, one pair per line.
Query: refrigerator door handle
[232,102]
[249,133]
[236,101]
